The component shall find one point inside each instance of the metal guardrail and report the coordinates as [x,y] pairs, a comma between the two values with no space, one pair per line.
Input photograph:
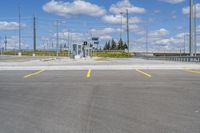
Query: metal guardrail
[176,58]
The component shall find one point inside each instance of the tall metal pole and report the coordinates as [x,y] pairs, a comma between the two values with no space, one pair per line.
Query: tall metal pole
[1,46]
[5,42]
[34,34]
[184,42]
[19,28]
[121,13]
[69,48]
[191,40]
[127,16]
[57,38]
[147,35]
[195,30]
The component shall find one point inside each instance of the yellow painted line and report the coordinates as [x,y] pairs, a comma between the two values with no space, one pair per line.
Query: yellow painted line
[193,71]
[89,73]
[33,74]
[144,73]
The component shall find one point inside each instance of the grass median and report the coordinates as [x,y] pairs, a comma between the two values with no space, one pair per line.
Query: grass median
[37,53]
[113,54]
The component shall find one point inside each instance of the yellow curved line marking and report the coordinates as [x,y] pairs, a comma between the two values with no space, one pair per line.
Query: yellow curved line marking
[193,71]
[89,73]
[33,74]
[144,73]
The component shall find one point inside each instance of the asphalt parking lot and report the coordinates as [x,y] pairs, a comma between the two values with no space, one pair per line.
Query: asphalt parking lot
[142,101]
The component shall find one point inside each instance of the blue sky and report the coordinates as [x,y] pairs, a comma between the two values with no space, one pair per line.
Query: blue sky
[80,19]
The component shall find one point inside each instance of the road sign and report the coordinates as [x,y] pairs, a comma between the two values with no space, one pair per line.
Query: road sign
[95,39]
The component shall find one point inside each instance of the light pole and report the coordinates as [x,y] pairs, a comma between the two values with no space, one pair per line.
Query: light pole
[184,41]
[19,30]
[5,42]
[121,13]
[147,35]
[191,25]
[57,38]
[195,30]
[69,48]
[34,35]
[127,23]
[1,46]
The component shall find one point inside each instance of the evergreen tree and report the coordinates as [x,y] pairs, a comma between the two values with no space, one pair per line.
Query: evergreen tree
[109,47]
[125,47]
[113,45]
[106,46]
[120,45]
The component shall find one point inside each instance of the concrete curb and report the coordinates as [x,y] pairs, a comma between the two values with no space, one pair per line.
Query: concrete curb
[102,67]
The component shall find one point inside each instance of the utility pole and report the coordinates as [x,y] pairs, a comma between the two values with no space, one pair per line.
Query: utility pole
[195,30]
[69,51]
[5,42]
[34,34]
[57,38]
[127,21]
[0,45]
[121,13]
[191,40]
[184,42]
[19,29]
[147,36]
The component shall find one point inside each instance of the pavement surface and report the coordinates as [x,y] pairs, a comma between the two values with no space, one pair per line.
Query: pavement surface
[134,101]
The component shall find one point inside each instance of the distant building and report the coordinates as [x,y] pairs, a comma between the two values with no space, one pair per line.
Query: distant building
[81,50]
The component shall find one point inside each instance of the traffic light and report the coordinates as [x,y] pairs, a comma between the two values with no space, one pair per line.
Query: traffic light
[85,43]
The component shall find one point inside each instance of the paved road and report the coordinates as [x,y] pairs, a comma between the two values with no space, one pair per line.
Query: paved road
[107,102]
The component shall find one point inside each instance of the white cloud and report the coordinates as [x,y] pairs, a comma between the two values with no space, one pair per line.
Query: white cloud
[13,43]
[136,29]
[76,36]
[155,37]
[10,25]
[105,37]
[134,20]
[161,40]
[186,10]
[104,31]
[159,33]
[113,19]
[116,19]
[77,7]
[173,1]
[123,5]
[156,11]
[172,43]
[104,34]
[174,17]
[198,28]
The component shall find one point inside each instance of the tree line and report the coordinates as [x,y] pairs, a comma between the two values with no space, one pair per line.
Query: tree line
[113,45]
